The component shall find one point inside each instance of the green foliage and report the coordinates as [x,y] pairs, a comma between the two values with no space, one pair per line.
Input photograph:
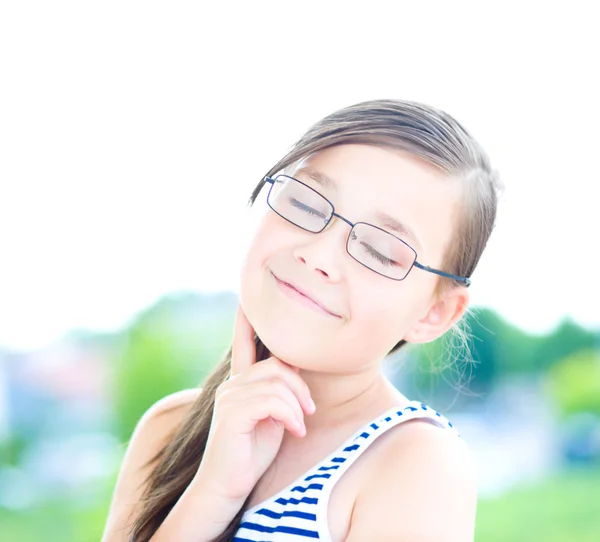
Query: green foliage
[561,509]
[575,382]
[170,347]
[568,338]
[80,517]
[13,449]
[495,349]
[451,363]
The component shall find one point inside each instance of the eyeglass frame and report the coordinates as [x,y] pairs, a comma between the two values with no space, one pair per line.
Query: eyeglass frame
[271,181]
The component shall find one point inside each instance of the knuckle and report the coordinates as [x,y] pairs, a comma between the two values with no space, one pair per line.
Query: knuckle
[273,380]
[220,390]
[284,390]
[272,402]
[223,386]
[280,385]
[218,400]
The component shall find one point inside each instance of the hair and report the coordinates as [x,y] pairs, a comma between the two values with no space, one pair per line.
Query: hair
[417,129]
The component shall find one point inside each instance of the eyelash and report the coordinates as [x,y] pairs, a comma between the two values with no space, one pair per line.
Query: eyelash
[377,256]
[306,208]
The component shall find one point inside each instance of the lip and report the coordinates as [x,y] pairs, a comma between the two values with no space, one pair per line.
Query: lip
[295,291]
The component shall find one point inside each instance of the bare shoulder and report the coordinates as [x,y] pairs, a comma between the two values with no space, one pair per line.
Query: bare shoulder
[423,487]
[175,403]
[149,436]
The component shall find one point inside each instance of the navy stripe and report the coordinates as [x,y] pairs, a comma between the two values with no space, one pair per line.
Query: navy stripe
[305,511]
[313,476]
[287,513]
[329,468]
[305,489]
[339,459]
[291,500]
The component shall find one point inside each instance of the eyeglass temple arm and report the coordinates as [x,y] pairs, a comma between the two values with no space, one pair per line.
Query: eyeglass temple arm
[466,280]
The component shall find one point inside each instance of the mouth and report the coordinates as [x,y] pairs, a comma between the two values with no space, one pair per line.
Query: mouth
[297,294]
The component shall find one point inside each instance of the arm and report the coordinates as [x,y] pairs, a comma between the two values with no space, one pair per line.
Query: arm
[423,490]
[185,521]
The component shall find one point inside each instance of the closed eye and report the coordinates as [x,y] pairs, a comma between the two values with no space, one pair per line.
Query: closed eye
[378,256]
[310,210]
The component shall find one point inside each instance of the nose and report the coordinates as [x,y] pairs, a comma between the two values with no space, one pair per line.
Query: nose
[324,252]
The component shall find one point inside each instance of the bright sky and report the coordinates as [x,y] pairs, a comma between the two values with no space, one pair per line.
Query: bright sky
[132,133]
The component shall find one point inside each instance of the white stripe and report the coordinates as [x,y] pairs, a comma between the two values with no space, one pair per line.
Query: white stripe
[320,510]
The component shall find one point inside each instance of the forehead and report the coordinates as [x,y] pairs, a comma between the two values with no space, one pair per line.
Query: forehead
[365,183]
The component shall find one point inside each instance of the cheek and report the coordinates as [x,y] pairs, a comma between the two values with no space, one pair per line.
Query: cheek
[258,249]
[272,238]
[255,285]
[380,314]
[250,274]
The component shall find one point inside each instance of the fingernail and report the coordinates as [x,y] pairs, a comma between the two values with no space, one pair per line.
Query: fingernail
[312,405]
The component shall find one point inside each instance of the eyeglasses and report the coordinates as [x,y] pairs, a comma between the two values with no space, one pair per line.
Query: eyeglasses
[369,245]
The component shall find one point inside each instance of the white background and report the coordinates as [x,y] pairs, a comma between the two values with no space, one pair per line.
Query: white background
[132,133]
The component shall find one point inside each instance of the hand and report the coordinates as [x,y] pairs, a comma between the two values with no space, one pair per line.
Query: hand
[252,409]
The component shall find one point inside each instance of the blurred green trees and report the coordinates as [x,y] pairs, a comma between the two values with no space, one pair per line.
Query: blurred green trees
[171,346]
[497,349]
[575,382]
[175,343]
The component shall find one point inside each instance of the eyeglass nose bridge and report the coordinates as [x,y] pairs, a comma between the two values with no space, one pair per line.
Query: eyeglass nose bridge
[340,217]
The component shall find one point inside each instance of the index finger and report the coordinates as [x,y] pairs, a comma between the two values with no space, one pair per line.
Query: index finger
[243,352]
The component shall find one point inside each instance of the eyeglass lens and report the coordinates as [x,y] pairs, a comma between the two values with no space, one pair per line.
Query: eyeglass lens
[373,247]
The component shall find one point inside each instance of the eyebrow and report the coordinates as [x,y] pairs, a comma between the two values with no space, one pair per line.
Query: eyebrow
[317,176]
[399,227]
[385,219]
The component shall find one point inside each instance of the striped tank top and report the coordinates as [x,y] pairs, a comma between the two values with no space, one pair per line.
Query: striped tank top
[298,513]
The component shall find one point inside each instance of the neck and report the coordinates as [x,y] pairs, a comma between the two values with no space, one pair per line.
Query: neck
[342,398]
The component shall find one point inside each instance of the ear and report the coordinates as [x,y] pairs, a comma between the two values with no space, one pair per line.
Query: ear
[441,315]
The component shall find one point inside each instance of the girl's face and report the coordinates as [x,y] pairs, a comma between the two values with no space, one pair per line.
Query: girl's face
[368,313]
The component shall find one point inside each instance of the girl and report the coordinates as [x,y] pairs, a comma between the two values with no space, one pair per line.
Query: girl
[377,218]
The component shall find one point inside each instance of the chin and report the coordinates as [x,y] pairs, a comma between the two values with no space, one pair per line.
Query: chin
[284,340]
[294,334]
[287,339]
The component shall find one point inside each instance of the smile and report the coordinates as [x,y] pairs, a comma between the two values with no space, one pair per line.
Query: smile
[289,291]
